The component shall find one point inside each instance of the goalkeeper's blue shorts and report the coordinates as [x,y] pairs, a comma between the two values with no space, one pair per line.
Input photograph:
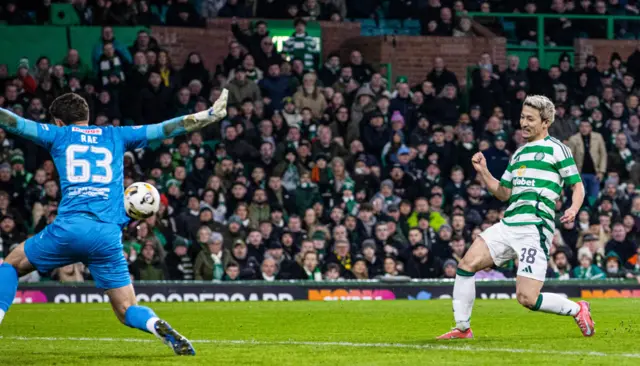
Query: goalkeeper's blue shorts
[83,239]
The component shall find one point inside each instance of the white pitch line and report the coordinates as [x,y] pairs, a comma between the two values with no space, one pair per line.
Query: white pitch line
[466,348]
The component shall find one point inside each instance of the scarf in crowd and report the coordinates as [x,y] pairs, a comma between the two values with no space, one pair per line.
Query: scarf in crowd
[165,74]
[389,200]
[350,205]
[345,261]
[291,178]
[612,138]
[316,275]
[627,157]
[218,270]
[252,75]
[589,273]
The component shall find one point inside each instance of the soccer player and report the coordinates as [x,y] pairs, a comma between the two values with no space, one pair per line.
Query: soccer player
[532,184]
[91,215]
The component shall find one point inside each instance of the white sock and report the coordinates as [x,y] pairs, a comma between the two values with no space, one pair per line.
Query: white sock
[464,293]
[151,326]
[1,316]
[553,303]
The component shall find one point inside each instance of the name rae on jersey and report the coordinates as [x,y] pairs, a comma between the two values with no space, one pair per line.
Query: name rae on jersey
[85,132]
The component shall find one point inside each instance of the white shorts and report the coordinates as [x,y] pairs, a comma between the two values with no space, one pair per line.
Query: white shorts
[525,243]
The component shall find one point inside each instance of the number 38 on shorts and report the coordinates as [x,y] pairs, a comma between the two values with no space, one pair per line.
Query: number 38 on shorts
[526,243]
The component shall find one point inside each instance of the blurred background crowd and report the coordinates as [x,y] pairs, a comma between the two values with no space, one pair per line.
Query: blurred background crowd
[325,169]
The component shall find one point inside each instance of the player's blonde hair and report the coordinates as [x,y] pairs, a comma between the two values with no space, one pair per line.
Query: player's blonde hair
[543,105]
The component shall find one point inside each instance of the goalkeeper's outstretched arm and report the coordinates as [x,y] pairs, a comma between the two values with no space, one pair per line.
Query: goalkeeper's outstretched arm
[40,133]
[189,123]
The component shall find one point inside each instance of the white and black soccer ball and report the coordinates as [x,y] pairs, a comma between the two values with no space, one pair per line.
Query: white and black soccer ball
[141,200]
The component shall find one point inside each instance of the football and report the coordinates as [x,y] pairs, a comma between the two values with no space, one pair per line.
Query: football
[141,200]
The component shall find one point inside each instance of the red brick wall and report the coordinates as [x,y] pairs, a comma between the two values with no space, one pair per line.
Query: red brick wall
[411,56]
[602,49]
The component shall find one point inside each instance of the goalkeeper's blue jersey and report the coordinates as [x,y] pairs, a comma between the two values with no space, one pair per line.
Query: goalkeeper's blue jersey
[89,161]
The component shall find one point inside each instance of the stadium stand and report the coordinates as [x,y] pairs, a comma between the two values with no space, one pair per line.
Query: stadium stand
[331,151]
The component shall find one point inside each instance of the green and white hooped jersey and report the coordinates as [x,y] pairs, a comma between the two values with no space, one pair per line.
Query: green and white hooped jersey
[536,174]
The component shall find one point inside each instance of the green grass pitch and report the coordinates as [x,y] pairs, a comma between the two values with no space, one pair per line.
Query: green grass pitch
[322,333]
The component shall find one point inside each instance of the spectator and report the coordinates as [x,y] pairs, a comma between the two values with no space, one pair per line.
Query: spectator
[267,55]
[361,70]
[302,46]
[241,88]
[275,86]
[170,77]
[440,76]
[422,264]
[74,67]
[154,101]
[149,266]
[119,48]
[14,16]
[145,16]
[560,267]
[592,165]
[268,270]
[234,9]
[446,23]
[309,96]
[330,71]
[231,272]
[560,30]
[587,270]
[619,243]
[28,82]
[179,263]
[614,268]
[194,69]
[181,13]
[122,13]
[491,23]
[212,259]
[464,28]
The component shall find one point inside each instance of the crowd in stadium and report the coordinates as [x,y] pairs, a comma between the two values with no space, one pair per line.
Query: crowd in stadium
[325,169]
[436,17]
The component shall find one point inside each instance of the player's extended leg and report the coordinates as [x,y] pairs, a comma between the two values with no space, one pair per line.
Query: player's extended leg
[478,257]
[529,295]
[123,302]
[109,270]
[15,265]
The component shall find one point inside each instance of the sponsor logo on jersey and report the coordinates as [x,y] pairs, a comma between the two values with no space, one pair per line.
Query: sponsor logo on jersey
[93,131]
[137,127]
[524,182]
[521,170]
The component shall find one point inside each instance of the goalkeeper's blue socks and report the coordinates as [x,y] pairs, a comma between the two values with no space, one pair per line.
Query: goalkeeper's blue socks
[141,317]
[8,287]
